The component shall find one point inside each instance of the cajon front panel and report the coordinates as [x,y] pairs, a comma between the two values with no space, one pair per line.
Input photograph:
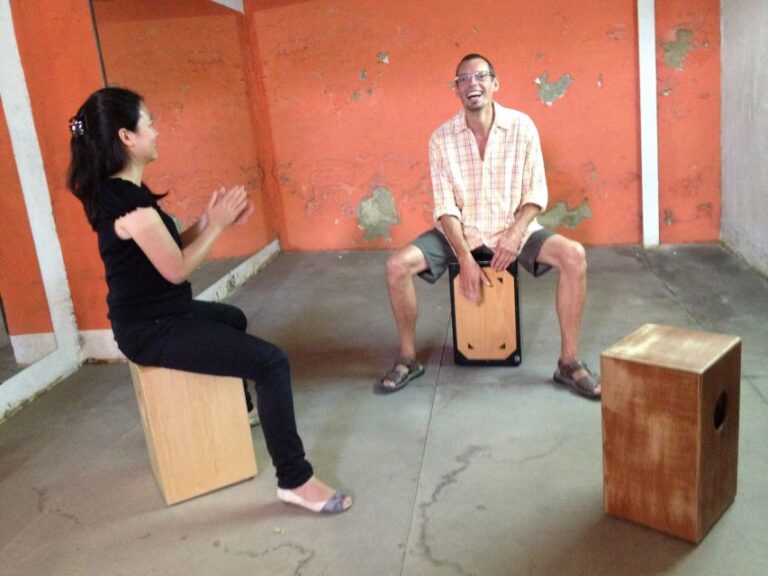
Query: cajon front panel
[196,428]
[489,332]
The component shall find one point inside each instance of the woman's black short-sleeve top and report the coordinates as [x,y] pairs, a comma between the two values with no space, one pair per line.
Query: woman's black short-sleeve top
[137,291]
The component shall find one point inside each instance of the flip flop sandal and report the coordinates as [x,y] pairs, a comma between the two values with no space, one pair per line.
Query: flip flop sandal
[586,385]
[398,378]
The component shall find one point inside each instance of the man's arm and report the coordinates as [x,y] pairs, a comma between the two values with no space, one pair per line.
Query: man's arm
[533,200]
[471,274]
[511,240]
[448,213]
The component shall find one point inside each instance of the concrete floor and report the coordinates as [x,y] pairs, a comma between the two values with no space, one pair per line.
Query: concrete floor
[481,471]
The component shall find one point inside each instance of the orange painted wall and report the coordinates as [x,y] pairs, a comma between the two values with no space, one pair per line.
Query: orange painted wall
[188,58]
[355,89]
[21,287]
[688,65]
[58,54]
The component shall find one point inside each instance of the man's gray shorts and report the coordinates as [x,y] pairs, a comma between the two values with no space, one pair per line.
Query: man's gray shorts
[438,253]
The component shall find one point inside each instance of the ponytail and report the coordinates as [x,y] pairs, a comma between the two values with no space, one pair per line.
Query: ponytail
[97,152]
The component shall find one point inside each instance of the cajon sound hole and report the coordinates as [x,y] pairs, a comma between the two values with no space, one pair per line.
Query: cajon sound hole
[721,411]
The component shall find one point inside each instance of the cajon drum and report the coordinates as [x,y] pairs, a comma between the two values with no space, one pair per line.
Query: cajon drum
[487,333]
[670,408]
[196,428]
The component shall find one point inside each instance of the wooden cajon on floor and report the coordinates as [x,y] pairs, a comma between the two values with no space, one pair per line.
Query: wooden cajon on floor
[488,333]
[196,428]
[670,408]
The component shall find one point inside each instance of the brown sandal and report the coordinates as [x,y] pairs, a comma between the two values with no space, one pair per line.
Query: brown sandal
[398,378]
[586,385]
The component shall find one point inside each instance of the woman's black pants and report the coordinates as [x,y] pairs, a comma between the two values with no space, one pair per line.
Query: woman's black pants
[211,339]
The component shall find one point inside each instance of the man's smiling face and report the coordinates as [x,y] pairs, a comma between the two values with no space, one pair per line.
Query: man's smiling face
[475,85]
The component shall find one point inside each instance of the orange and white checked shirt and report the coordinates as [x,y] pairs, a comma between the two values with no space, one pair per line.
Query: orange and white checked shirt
[484,193]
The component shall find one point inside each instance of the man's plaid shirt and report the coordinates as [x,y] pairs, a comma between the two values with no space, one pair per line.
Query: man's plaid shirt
[485,193]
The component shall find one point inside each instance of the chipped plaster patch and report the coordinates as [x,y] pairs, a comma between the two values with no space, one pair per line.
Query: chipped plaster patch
[675,52]
[591,169]
[377,213]
[704,210]
[617,32]
[559,215]
[383,58]
[551,91]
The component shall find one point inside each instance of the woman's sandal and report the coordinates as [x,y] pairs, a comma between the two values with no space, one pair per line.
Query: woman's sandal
[400,379]
[586,385]
[337,503]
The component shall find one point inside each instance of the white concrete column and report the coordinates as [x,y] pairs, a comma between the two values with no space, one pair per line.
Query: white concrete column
[649,131]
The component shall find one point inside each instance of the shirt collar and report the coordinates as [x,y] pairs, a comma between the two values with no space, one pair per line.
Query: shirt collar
[502,119]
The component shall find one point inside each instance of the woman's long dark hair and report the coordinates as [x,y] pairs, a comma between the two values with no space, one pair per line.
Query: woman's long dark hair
[97,151]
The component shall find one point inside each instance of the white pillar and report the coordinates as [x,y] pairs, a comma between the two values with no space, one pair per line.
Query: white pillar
[649,133]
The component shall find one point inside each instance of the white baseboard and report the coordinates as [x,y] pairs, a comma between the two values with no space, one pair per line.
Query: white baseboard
[29,348]
[235,278]
[100,345]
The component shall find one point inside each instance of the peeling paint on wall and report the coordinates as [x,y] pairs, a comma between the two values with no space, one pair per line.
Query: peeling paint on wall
[377,213]
[559,215]
[617,32]
[591,169]
[551,91]
[704,210]
[383,58]
[675,52]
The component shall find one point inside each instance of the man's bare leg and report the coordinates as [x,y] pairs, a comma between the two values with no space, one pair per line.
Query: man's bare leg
[402,266]
[570,259]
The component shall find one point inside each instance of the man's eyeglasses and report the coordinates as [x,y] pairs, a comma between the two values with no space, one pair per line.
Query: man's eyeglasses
[480,75]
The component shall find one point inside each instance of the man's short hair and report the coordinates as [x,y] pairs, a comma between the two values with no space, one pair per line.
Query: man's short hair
[474,56]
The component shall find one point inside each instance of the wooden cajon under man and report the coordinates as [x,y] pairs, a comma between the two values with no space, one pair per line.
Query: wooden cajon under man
[487,333]
[670,408]
[196,428]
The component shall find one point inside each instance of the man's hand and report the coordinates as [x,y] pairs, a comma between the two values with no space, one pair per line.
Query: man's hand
[472,276]
[507,249]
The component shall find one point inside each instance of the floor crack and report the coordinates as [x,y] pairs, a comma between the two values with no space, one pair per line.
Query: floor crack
[450,478]
[309,554]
